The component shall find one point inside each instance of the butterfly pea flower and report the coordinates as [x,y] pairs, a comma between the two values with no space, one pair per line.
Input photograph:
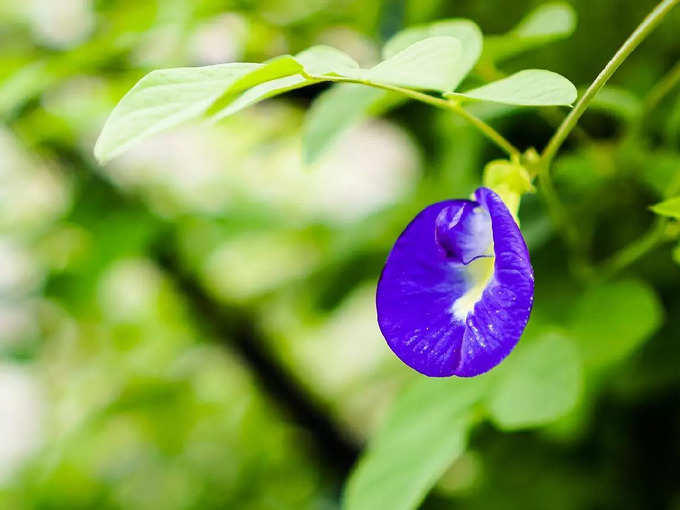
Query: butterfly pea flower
[457,289]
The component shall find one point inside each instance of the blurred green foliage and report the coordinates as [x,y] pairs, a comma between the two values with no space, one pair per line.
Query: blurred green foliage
[192,325]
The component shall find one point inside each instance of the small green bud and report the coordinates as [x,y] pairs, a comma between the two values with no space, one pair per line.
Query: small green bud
[510,180]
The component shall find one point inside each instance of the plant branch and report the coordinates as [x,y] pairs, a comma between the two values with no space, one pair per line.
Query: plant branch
[638,35]
[446,104]
[635,250]
[663,87]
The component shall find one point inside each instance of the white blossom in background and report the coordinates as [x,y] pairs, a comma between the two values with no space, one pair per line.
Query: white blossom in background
[348,345]
[342,359]
[219,40]
[22,408]
[34,199]
[32,193]
[82,100]
[20,279]
[184,165]
[254,263]
[18,321]
[19,271]
[209,169]
[355,44]
[60,23]
[129,289]
[372,166]
[161,46]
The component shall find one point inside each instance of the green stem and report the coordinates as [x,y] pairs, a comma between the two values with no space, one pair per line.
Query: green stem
[555,207]
[663,87]
[658,234]
[635,250]
[640,33]
[446,104]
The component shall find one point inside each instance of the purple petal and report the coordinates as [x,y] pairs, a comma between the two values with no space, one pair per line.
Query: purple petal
[457,288]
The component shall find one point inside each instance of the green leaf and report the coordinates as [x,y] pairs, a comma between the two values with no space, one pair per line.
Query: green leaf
[261,92]
[661,172]
[547,23]
[426,430]
[613,319]
[430,64]
[278,67]
[320,60]
[548,20]
[675,254]
[539,383]
[466,31]
[280,75]
[272,70]
[344,105]
[669,208]
[531,87]
[163,99]
[332,112]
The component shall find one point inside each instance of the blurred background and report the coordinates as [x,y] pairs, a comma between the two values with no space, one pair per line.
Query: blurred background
[192,326]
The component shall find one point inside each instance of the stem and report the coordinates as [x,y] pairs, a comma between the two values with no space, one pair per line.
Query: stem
[658,234]
[446,104]
[640,33]
[663,87]
[483,127]
[555,207]
[635,250]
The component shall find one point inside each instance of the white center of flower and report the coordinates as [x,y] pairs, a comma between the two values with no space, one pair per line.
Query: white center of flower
[479,272]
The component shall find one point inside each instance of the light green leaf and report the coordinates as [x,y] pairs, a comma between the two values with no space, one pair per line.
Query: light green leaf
[424,433]
[549,22]
[430,64]
[280,75]
[531,87]
[337,109]
[278,67]
[320,60]
[466,31]
[344,105]
[261,92]
[163,99]
[669,208]
[538,383]
[272,70]
[612,319]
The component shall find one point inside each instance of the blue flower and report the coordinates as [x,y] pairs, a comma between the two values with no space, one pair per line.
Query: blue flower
[457,288]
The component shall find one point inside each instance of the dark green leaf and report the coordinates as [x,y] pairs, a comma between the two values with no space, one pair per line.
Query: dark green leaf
[538,383]
[613,319]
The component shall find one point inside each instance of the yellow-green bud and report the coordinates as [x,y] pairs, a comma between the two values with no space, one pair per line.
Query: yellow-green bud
[510,180]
